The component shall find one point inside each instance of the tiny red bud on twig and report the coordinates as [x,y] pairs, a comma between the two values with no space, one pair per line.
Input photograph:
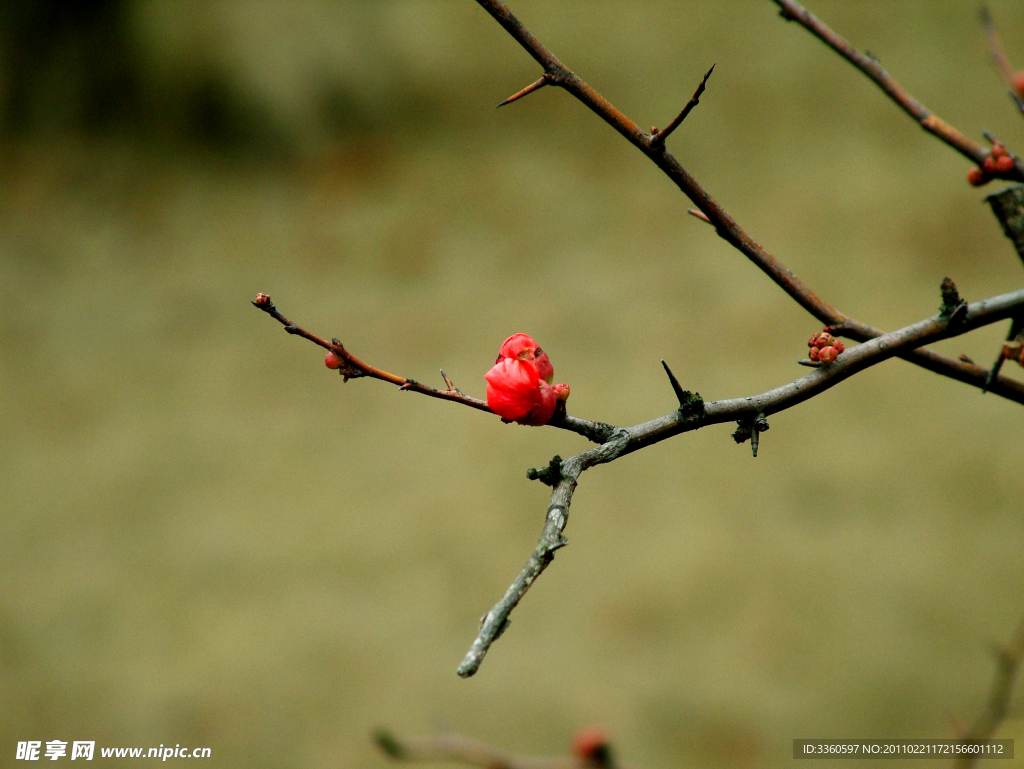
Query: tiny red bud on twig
[976,177]
[989,165]
[333,361]
[1004,164]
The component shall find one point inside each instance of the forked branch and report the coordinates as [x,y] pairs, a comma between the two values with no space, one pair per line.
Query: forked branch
[728,228]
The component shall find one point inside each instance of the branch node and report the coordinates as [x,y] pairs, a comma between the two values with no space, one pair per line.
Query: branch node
[544,80]
[1008,207]
[953,309]
[409,384]
[691,405]
[749,429]
[550,475]
[291,329]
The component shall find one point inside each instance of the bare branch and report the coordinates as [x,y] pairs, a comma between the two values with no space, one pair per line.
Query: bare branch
[464,750]
[995,46]
[793,11]
[658,137]
[353,367]
[494,623]
[1008,660]
[751,412]
[725,225]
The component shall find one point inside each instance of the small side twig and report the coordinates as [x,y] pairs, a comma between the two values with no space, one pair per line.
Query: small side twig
[995,46]
[1008,659]
[658,137]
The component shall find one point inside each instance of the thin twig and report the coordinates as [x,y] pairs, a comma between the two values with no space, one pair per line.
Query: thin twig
[793,11]
[1008,660]
[752,410]
[727,227]
[658,137]
[995,46]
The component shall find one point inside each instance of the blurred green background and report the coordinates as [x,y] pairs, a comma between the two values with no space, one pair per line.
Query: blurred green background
[208,540]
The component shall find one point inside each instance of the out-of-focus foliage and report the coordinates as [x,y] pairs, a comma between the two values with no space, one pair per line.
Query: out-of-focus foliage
[208,540]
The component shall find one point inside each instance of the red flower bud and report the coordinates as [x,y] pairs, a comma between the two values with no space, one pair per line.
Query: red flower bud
[516,392]
[824,339]
[998,151]
[332,361]
[522,347]
[518,387]
[813,341]
[839,346]
[1004,164]
[827,354]
[591,745]
[814,353]
[989,164]
[976,177]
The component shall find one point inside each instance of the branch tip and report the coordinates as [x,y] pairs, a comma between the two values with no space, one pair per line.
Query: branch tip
[658,137]
[538,84]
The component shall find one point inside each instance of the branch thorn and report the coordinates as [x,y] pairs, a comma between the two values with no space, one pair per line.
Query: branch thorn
[696,212]
[690,404]
[543,81]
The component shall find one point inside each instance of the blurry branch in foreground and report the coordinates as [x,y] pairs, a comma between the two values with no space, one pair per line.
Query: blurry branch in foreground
[955,317]
[591,751]
[1008,659]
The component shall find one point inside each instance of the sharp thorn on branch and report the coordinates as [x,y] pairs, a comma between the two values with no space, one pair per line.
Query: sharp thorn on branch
[681,394]
[696,212]
[543,81]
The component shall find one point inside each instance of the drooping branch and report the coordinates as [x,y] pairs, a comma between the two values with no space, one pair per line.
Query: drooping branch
[556,73]
[1008,659]
[749,411]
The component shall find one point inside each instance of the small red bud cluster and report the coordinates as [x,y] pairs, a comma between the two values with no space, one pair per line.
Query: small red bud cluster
[997,162]
[1014,350]
[825,348]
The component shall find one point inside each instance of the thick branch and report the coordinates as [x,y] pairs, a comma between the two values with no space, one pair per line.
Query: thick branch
[1008,660]
[930,122]
[724,224]
[626,441]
